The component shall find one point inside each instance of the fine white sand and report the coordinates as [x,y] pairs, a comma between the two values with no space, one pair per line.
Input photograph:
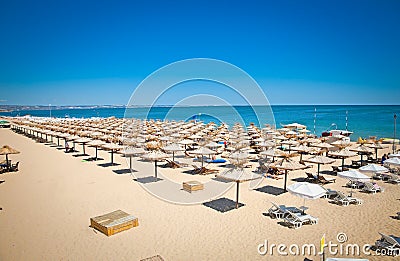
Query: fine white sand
[47,204]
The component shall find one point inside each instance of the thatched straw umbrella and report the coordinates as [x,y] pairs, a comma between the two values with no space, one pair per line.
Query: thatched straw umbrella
[362,150]
[130,152]
[6,150]
[287,164]
[203,151]
[343,153]
[319,159]
[155,156]
[112,147]
[238,175]
[174,147]
[96,144]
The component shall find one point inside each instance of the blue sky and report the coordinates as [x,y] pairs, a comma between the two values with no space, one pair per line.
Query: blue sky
[300,52]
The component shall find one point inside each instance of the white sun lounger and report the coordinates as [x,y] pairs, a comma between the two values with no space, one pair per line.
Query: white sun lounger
[280,211]
[390,244]
[297,220]
[345,200]
[370,188]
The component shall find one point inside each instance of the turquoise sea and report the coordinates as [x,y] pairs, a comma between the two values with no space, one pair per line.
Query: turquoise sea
[363,120]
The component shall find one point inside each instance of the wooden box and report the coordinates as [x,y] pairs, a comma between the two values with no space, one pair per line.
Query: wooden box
[114,222]
[191,186]
[153,258]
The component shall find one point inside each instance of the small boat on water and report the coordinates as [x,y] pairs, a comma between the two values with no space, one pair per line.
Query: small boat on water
[335,134]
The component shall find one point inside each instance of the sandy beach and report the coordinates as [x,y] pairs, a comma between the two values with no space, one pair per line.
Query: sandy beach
[48,203]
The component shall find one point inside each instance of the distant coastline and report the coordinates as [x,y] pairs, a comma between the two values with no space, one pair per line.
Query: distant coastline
[11,108]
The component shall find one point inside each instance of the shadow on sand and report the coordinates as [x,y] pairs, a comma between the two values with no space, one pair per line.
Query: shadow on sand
[222,204]
[271,190]
[146,180]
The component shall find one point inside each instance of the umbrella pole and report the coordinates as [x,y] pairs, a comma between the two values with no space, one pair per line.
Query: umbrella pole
[361,160]
[237,194]
[96,153]
[83,146]
[202,161]
[301,156]
[318,171]
[173,156]
[376,154]
[155,168]
[8,165]
[112,157]
[284,188]
[342,163]
[130,162]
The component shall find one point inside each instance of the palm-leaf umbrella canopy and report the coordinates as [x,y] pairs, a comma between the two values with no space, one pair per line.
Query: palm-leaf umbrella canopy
[290,143]
[287,164]
[273,152]
[238,175]
[6,150]
[112,147]
[238,158]
[372,168]
[132,151]
[173,147]
[322,145]
[267,144]
[302,149]
[203,151]
[312,140]
[341,144]
[319,159]
[83,141]
[155,156]
[306,190]
[96,144]
[213,144]
[343,153]
[362,150]
[295,125]
[376,146]
[186,142]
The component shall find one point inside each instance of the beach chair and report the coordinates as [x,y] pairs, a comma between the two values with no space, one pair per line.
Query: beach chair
[173,164]
[395,179]
[335,169]
[280,211]
[14,167]
[262,168]
[297,220]
[311,177]
[371,188]
[355,184]
[330,193]
[355,164]
[381,176]
[344,200]
[390,244]
[323,180]
[203,170]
